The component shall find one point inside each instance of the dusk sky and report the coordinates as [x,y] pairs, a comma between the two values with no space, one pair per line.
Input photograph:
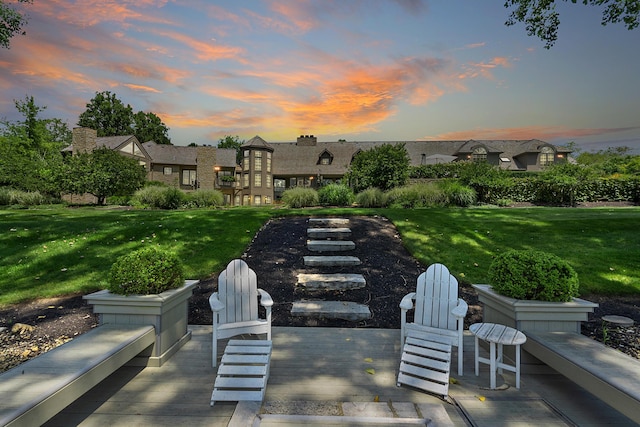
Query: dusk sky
[367,70]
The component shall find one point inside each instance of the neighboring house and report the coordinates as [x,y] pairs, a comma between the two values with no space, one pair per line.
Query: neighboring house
[268,169]
[307,162]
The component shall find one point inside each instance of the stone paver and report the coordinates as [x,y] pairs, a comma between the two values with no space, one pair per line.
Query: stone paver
[345,310]
[328,233]
[330,245]
[331,261]
[331,281]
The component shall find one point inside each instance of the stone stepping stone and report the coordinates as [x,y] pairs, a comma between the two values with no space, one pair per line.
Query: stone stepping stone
[332,222]
[331,261]
[345,310]
[330,245]
[328,233]
[332,282]
[618,320]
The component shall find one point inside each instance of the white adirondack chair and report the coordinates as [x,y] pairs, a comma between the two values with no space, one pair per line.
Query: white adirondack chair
[235,305]
[437,308]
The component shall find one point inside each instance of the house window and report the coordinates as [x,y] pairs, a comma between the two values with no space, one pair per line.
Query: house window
[268,180]
[267,200]
[132,148]
[325,158]
[479,154]
[547,156]
[257,180]
[268,161]
[246,201]
[257,161]
[293,182]
[245,180]
[188,177]
[167,170]
[257,200]
[245,160]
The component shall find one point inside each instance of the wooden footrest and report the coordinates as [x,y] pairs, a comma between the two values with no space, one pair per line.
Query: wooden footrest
[426,363]
[243,371]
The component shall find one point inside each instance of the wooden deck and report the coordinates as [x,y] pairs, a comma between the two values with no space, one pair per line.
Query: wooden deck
[324,365]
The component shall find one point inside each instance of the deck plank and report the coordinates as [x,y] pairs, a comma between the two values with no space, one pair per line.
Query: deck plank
[179,392]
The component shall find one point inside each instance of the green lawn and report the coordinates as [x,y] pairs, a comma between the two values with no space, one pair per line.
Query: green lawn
[58,251]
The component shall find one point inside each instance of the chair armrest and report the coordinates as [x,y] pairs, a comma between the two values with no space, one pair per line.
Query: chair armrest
[407,301]
[461,309]
[265,298]
[215,303]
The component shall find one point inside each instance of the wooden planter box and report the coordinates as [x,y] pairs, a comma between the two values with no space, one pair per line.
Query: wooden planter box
[167,312]
[528,315]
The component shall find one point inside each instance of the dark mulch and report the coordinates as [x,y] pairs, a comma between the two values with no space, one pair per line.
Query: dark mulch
[276,254]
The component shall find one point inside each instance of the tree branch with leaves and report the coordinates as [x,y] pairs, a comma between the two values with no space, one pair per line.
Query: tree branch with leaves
[542,20]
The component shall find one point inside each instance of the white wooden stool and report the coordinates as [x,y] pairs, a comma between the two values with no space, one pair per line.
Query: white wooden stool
[426,362]
[501,335]
[243,371]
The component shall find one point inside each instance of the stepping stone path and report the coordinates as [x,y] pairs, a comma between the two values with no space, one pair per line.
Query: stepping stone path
[327,236]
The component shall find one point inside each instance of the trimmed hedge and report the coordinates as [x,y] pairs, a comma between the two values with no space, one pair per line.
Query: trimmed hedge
[533,275]
[144,272]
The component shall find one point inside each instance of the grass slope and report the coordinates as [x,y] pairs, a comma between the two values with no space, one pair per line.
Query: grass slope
[56,251]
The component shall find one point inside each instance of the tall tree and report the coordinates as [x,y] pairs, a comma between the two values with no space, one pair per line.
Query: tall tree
[149,127]
[12,22]
[103,173]
[385,166]
[232,142]
[542,20]
[30,149]
[107,115]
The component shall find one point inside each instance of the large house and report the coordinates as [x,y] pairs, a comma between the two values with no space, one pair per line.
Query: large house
[267,169]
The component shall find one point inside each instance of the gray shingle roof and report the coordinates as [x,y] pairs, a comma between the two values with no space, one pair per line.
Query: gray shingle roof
[171,154]
[292,159]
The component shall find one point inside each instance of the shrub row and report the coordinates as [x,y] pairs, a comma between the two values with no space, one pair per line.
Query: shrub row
[163,197]
[561,185]
[9,197]
[441,193]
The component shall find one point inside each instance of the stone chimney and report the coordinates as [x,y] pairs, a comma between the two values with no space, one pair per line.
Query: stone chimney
[206,162]
[83,140]
[307,140]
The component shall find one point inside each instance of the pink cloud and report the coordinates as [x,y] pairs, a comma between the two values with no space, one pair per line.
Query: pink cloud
[546,133]
[92,12]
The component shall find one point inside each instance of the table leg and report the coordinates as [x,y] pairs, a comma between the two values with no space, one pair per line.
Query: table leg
[476,357]
[518,367]
[492,361]
[500,371]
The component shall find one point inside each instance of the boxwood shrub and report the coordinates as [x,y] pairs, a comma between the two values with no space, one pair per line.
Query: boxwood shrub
[335,195]
[144,272]
[533,275]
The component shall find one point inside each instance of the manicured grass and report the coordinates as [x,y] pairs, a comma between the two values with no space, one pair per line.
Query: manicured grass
[49,252]
[601,244]
[57,251]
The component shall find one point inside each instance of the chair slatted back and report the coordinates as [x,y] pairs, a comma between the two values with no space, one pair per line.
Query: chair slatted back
[436,296]
[238,291]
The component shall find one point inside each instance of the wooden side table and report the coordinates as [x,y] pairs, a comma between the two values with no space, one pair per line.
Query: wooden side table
[500,335]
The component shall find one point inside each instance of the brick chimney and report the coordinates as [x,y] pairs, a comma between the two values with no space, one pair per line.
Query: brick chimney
[83,140]
[307,140]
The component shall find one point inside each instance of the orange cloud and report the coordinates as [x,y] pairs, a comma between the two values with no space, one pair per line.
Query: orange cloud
[205,51]
[141,88]
[526,132]
[92,12]
[484,69]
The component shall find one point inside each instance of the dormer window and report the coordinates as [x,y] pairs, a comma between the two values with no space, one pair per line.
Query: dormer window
[479,154]
[325,158]
[547,156]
